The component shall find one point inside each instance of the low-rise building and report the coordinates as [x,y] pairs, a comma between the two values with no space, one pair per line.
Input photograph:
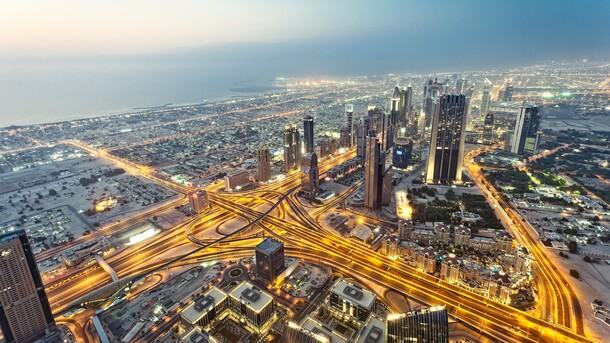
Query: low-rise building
[205,309]
[350,301]
[236,179]
[252,304]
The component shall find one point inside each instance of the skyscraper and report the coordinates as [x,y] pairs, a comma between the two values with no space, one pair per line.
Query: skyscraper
[431,93]
[323,147]
[488,129]
[408,118]
[507,95]
[525,136]
[363,130]
[447,140]
[401,155]
[308,142]
[25,313]
[263,164]
[425,325]
[485,99]
[310,173]
[396,109]
[349,123]
[461,86]
[332,146]
[373,177]
[199,200]
[292,148]
[345,141]
[269,256]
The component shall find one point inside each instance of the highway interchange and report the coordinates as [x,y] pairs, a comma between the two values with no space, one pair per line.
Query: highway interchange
[307,239]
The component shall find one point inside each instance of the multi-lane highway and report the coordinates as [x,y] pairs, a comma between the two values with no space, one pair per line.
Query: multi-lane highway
[306,238]
[556,294]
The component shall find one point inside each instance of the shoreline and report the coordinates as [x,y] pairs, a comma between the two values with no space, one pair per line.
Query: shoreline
[231,94]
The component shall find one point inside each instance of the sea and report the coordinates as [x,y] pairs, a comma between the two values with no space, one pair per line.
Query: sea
[35,92]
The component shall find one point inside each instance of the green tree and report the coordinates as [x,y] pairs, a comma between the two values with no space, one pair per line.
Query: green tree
[572,247]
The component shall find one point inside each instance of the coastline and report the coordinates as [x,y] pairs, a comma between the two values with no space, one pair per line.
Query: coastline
[234,93]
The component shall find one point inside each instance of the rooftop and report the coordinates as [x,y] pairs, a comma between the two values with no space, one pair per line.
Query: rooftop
[355,293]
[251,295]
[197,335]
[314,326]
[269,246]
[373,330]
[203,304]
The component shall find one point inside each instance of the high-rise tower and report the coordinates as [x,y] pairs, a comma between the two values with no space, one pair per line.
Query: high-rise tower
[392,121]
[425,325]
[373,177]
[431,93]
[263,164]
[25,313]
[461,86]
[407,117]
[507,95]
[488,129]
[308,142]
[349,123]
[310,174]
[485,99]
[447,140]
[525,136]
[363,130]
[292,148]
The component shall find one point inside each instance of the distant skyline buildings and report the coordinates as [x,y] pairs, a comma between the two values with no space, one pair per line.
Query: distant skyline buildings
[447,140]
[485,101]
[488,128]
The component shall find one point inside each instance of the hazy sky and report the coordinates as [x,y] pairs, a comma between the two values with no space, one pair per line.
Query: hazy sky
[452,29]
[62,59]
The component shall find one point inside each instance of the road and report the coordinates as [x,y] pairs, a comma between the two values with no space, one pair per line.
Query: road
[306,238]
[557,296]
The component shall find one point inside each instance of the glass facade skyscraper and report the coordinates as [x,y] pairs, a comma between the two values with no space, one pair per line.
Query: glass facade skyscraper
[429,325]
[25,313]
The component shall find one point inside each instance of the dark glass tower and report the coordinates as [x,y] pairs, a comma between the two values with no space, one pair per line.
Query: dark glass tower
[447,140]
[401,155]
[269,259]
[25,313]
[526,130]
[308,143]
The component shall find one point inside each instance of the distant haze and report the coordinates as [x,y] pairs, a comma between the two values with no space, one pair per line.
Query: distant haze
[66,59]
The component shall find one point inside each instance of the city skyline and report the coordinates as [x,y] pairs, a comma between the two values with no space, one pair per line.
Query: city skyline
[282,172]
